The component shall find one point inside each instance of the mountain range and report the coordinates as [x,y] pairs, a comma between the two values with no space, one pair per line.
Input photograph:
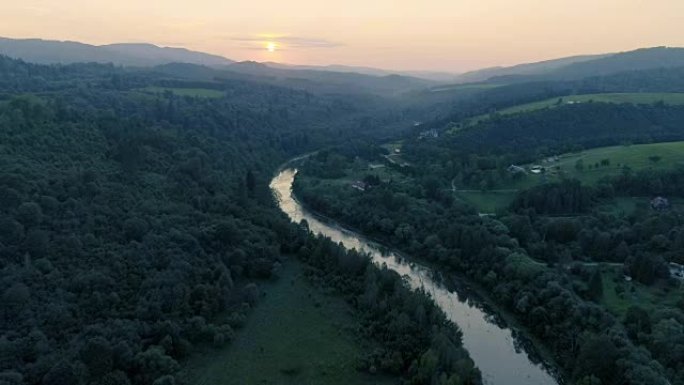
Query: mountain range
[149,55]
[139,55]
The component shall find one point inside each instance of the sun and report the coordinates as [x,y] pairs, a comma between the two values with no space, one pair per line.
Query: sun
[271,46]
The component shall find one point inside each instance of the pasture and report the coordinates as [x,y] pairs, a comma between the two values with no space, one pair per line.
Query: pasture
[295,335]
[619,295]
[587,166]
[616,98]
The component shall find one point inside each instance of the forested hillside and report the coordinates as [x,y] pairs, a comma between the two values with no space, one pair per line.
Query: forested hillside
[130,220]
[591,124]
[484,99]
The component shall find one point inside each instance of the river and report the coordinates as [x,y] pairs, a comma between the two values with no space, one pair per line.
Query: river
[500,354]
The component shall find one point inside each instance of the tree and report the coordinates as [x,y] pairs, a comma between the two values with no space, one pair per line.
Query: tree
[598,357]
[29,214]
[98,356]
[250,183]
[595,287]
[16,297]
[135,228]
[61,373]
[637,321]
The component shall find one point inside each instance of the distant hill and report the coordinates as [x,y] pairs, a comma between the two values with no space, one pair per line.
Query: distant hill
[537,68]
[328,82]
[429,75]
[147,55]
[641,59]
[579,67]
[67,52]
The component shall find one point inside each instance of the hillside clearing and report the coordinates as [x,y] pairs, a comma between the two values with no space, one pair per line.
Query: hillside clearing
[588,166]
[295,335]
[616,98]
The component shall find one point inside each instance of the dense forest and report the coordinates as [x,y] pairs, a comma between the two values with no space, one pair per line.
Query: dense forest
[130,220]
[488,98]
[571,126]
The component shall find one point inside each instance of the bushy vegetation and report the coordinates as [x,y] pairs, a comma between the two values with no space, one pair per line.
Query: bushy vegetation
[417,339]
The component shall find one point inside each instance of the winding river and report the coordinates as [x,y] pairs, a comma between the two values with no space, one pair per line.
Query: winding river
[501,354]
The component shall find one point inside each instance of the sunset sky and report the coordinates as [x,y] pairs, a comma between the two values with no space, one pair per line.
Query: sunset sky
[449,35]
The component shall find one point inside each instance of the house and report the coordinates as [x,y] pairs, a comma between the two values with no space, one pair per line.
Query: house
[360,185]
[536,169]
[513,169]
[676,271]
[660,204]
[429,134]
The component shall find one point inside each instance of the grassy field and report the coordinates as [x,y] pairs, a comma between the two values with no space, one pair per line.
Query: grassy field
[636,157]
[634,294]
[295,335]
[633,98]
[193,92]
[488,201]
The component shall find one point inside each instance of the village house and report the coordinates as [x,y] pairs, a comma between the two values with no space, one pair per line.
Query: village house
[660,204]
[360,185]
[429,134]
[676,271]
[536,169]
[513,169]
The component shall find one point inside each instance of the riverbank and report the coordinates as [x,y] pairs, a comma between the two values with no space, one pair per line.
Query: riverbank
[495,349]
[537,351]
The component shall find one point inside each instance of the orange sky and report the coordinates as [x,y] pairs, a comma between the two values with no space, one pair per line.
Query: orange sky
[451,35]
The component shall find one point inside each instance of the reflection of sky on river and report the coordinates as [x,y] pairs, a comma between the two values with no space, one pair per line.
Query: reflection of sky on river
[493,348]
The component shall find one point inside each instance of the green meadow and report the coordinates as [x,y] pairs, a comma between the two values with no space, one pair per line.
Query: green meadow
[619,294]
[588,166]
[295,335]
[617,98]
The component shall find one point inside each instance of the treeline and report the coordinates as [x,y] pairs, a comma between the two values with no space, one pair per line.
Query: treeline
[452,235]
[566,197]
[417,341]
[563,128]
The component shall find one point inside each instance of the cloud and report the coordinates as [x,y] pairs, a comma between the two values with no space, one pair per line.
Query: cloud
[289,41]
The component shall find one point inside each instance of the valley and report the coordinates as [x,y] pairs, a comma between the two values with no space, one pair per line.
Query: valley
[175,217]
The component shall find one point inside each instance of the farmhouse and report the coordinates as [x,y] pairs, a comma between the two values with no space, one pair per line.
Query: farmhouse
[660,204]
[676,271]
[536,169]
[360,185]
[429,134]
[513,169]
